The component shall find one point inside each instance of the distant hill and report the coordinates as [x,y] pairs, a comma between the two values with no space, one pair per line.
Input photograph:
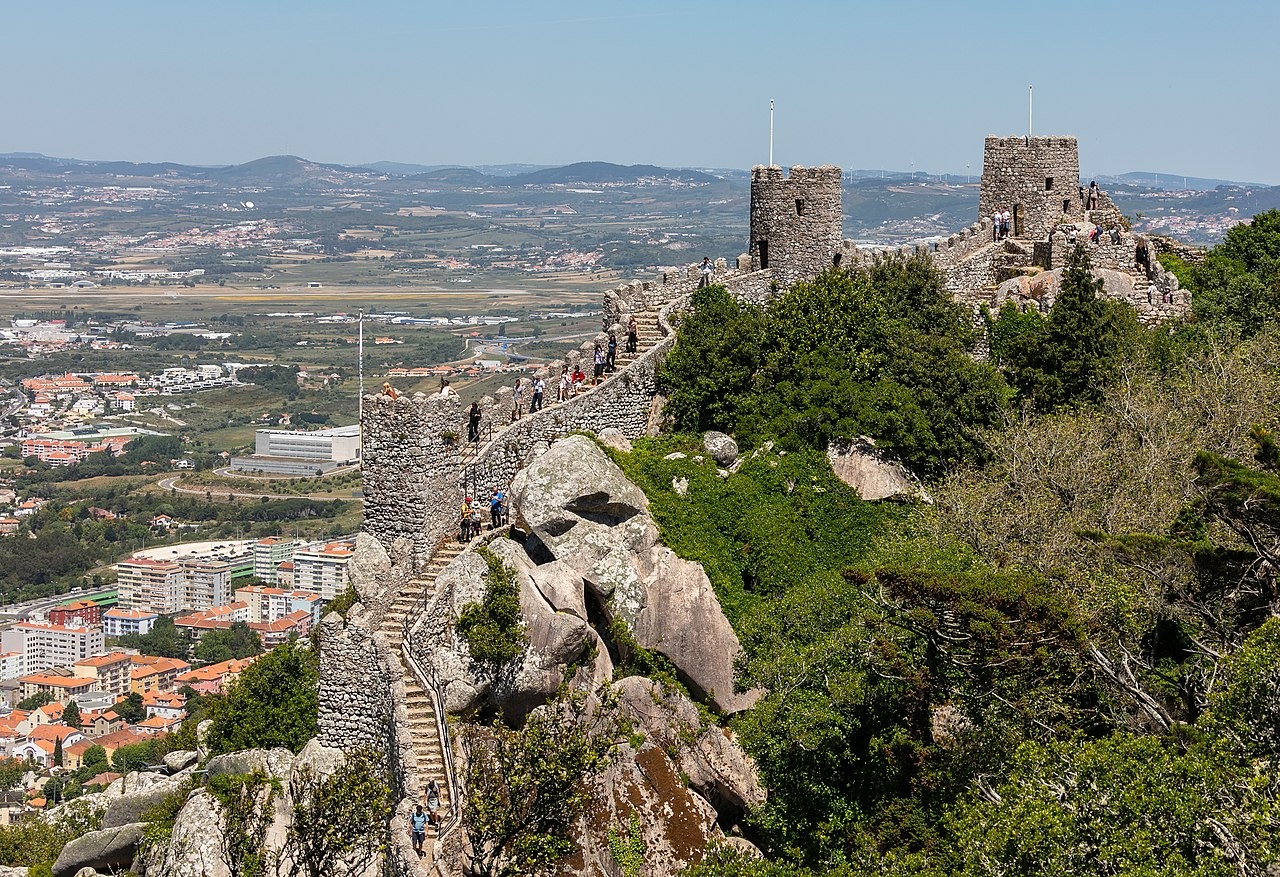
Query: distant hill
[1153,180]
[604,172]
[458,176]
[281,170]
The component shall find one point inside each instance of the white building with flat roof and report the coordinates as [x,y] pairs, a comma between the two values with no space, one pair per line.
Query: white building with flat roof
[338,445]
[44,646]
[121,622]
[322,568]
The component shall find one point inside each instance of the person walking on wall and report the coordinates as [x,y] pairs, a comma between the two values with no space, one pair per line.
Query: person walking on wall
[1084,199]
[705,279]
[633,334]
[1006,219]
[995,226]
[562,393]
[477,519]
[473,423]
[539,388]
[517,400]
[1094,192]
[579,378]
[464,521]
[1142,257]
[598,360]
[418,828]
[611,355]
[433,802]
[495,507]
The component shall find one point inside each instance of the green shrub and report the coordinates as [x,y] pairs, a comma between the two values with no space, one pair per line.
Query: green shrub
[492,627]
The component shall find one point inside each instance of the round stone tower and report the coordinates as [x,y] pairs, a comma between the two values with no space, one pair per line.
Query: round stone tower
[796,221]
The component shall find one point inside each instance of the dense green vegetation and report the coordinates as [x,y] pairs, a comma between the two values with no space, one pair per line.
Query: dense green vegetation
[492,626]
[1067,662]
[273,702]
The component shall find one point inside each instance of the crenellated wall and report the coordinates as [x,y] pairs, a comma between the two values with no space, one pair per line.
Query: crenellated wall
[1035,178]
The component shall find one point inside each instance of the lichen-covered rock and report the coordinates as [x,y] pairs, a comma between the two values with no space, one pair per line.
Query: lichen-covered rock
[108,849]
[722,448]
[716,766]
[271,762]
[861,466]
[612,437]
[178,761]
[130,806]
[195,847]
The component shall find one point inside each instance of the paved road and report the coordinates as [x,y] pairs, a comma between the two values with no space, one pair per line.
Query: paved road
[172,483]
[40,605]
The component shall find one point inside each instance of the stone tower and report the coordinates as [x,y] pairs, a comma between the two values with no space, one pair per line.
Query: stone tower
[1037,179]
[796,221]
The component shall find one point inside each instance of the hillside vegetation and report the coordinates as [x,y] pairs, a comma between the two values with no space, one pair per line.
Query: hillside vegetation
[1067,663]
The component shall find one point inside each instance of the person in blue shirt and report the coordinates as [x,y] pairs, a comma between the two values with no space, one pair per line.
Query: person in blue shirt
[495,507]
[418,828]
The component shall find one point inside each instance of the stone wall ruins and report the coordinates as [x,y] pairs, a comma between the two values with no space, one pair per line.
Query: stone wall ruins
[1035,178]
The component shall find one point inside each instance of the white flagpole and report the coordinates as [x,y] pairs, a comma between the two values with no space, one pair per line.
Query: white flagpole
[770,133]
[1030,92]
[360,372]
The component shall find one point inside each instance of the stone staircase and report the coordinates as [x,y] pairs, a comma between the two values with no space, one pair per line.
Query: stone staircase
[420,704]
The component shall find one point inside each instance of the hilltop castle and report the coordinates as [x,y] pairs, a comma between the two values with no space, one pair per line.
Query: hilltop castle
[377,687]
[796,232]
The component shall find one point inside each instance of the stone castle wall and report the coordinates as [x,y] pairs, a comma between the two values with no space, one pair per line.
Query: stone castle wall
[1033,177]
[797,221]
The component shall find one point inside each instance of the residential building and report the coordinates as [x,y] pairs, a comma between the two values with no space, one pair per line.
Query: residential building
[213,678]
[9,526]
[120,622]
[205,583]
[213,618]
[62,688]
[109,672]
[268,554]
[272,604]
[44,645]
[150,585]
[273,633]
[100,724]
[284,573]
[322,568]
[82,613]
[166,705]
[10,665]
[150,674]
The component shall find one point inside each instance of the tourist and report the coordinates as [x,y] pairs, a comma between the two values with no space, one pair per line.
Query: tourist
[473,423]
[579,378]
[1094,192]
[633,334]
[598,360]
[562,394]
[389,391]
[611,356]
[1005,218]
[1095,234]
[1071,231]
[995,226]
[418,828]
[1115,234]
[705,279]
[433,802]
[464,521]
[517,400]
[539,388]
[1142,257]
[1084,199]
[495,507]
[445,389]
[477,519]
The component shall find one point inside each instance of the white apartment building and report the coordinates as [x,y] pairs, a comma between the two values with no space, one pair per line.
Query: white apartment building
[150,585]
[322,568]
[205,583]
[10,665]
[44,646]
[119,622]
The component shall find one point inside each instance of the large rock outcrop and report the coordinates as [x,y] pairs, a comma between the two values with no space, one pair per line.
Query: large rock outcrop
[590,557]
[109,849]
[873,475]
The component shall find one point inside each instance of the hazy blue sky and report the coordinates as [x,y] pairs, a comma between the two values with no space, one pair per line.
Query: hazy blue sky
[1174,86]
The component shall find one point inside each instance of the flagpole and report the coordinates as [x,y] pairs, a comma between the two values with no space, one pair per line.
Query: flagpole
[360,374]
[1030,92]
[770,133]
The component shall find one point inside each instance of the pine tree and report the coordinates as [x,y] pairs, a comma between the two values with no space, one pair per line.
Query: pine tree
[57,752]
[71,715]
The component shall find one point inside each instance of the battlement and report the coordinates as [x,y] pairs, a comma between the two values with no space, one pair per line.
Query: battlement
[994,142]
[826,174]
